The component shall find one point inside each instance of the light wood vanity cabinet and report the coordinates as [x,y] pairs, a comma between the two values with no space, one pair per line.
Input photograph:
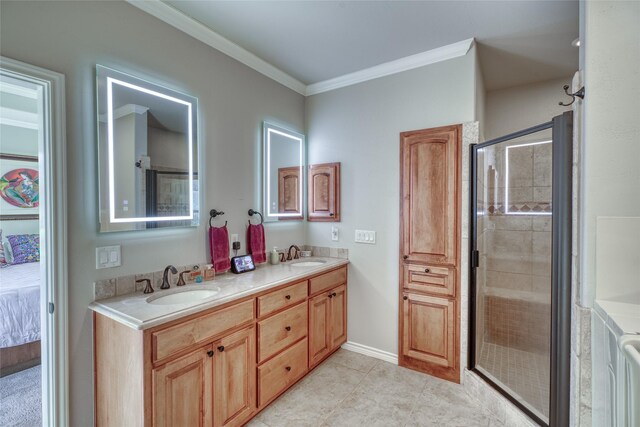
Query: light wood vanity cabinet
[324,192]
[429,291]
[219,367]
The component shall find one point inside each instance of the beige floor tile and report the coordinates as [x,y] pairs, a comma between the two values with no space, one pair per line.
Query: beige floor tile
[353,360]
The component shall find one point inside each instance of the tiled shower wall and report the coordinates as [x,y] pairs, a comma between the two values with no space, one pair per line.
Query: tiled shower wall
[515,243]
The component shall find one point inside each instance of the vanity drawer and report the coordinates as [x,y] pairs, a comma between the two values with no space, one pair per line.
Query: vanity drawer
[171,340]
[289,296]
[430,279]
[328,280]
[283,329]
[280,372]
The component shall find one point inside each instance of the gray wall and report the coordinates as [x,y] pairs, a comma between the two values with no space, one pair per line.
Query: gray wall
[71,37]
[359,126]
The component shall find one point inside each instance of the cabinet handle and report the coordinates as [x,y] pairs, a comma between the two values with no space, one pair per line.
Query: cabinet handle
[331,214]
[405,257]
[333,294]
[288,368]
[287,296]
[221,348]
[210,353]
[427,270]
[405,297]
[288,328]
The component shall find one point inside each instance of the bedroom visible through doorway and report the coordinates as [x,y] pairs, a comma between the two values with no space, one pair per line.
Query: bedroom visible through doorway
[32,272]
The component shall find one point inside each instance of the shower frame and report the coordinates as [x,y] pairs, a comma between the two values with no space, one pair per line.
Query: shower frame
[560,338]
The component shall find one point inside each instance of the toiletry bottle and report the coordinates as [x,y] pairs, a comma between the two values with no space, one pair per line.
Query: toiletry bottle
[209,272]
[274,257]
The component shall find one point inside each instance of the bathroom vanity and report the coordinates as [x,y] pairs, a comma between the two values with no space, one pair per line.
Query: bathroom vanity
[220,360]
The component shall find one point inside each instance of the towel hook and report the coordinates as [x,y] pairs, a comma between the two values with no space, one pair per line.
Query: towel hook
[252,212]
[579,93]
[214,213]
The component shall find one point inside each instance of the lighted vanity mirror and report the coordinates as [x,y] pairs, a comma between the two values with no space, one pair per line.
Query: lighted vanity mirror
[284,154]
[148,154]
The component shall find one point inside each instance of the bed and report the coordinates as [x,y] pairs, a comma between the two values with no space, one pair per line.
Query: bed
[19,317]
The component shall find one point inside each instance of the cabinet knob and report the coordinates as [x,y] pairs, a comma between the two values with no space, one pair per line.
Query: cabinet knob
[405,297]
[210,353]
[288,368]
[330,295]
[405,257]
[221,348]
[333,294]
[288,328]
[287,296]
[427,270]
[331,214]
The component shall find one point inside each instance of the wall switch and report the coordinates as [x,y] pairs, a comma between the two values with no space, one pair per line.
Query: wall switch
[334,233]
[366,236]
[108,256]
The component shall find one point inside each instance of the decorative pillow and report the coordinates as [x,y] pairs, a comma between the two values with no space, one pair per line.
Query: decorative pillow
[3,258]
[8,255]
[25,248]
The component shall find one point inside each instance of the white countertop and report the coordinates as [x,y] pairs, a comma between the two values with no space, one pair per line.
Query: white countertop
[134,311]
[622,317]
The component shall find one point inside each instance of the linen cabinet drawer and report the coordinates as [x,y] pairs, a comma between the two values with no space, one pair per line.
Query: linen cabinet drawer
[281,330]
[280,372]
[328,280]
[178,337]
[286,297]
[430,279]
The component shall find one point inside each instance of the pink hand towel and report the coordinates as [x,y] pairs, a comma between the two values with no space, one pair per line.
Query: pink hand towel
[255,243]
[219,245]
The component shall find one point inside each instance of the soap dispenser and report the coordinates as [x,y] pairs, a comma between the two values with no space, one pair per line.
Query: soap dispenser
[274,256]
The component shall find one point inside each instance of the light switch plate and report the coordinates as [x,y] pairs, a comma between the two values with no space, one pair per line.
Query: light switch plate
[366,236]
[108,256]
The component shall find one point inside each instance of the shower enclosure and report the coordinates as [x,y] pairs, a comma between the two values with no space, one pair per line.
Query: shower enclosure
[520,267]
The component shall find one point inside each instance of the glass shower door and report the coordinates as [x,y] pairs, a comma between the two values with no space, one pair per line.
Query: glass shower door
[513,267]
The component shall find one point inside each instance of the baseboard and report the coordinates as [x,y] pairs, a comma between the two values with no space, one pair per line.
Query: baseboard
[371,352]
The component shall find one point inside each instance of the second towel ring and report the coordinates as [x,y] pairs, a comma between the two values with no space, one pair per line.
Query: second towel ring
[253,212]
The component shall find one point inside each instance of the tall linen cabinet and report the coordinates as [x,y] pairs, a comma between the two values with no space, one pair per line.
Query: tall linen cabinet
[429,314]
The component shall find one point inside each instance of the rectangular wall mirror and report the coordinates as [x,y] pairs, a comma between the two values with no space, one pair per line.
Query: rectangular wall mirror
[148,154]
[284,154]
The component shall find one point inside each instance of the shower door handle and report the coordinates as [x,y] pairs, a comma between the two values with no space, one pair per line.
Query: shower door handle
[475,259]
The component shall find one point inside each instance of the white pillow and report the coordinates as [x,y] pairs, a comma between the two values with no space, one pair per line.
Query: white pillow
[8,252]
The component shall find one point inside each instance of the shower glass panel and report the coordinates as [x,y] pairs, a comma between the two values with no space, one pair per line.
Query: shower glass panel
[513,277]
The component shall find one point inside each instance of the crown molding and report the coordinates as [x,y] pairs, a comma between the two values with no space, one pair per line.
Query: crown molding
[432,56]
[201,32]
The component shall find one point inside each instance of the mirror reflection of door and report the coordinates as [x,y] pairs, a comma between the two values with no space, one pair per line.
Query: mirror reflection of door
[289,192]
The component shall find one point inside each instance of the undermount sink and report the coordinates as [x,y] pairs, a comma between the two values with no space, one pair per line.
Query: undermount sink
[183,296]
[308,263]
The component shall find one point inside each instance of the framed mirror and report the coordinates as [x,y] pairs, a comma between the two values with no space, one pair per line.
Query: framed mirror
[147,154]
[284,154]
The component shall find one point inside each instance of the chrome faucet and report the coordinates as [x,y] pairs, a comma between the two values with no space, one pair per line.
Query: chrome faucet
[165,276]
[295,253]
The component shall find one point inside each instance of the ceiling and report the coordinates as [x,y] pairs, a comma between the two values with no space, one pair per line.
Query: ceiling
[519,42]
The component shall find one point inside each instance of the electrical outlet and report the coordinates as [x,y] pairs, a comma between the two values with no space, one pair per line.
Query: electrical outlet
[234,238]
[366,236]
[335,234]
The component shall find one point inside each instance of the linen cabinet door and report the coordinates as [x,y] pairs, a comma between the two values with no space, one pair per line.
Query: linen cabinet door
[182,391]
[429,338]
[430,183]
[234,400]
[319,328]
[338,317]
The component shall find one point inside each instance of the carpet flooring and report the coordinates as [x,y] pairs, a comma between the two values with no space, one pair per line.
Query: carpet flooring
[21,399]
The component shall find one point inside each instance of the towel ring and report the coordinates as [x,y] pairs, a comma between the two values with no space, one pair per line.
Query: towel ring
[252,212]
[214,213]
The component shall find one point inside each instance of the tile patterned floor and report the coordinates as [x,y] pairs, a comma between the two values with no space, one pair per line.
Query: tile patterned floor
[350,389]
[525,373]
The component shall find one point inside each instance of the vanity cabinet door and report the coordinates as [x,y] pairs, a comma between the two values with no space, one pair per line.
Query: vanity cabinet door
[324,192]
[319,328]
[338,301]
[182,391]
[234,378]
